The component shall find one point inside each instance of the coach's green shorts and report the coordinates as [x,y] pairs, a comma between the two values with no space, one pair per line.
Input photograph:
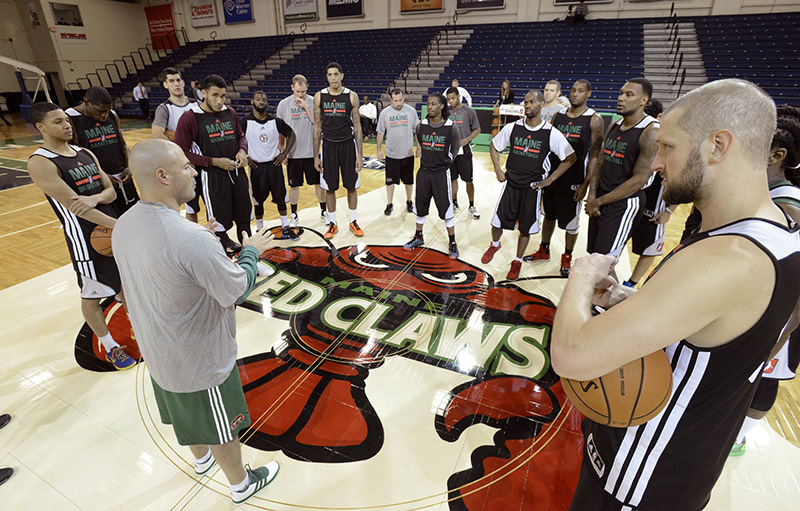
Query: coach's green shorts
[207,417]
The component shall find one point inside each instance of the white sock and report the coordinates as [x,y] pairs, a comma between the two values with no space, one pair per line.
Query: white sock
[259,224]
[495,243]
[518,259]
[284,220]
[352,215]
[749,423]
[108,342]
[204,458]
[243,485]
[332,217]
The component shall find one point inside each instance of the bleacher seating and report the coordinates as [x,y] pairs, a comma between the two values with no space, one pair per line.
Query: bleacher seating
[762,48]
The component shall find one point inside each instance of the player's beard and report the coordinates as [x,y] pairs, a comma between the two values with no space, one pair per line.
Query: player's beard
[688,188]
[260,110]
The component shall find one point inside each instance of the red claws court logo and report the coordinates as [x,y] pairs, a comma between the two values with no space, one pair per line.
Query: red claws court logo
[351,310]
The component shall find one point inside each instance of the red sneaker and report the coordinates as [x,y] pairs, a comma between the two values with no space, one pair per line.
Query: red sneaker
[513,273]
[566,263]
[331,232]
[490,252]
[356,229]
[540,255]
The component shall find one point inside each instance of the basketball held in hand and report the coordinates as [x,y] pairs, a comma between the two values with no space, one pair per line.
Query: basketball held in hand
[101,241]
[628,396]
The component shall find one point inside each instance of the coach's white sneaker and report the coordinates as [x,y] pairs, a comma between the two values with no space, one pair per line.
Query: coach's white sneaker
[259,479]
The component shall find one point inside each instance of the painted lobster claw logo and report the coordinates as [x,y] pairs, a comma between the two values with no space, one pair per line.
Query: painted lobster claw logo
[536,455]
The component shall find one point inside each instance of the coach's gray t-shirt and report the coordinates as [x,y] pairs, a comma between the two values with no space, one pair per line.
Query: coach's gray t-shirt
[180,290]
[303,128]
[548,112]
[398,128]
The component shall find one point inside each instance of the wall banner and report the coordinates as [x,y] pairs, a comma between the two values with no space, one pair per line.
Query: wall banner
[162,26]
[344,9]
[299,10]
[416,6]
[237,11]
[204,13]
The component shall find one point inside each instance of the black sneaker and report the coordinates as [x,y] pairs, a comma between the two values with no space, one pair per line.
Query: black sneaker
[389,209]
[232,247]
[288,234]
[410,206]
[453,249]
[416,241]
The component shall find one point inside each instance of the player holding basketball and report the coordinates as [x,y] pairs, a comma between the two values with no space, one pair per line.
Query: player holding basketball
[615,199]
[182,291]
[439,140]
[262,132]
[712,146]
[212,138]
[337,129]
[528,171]
[171,109]
[397,125]
[583,128]
[80,193]
[297,111]
[96,127]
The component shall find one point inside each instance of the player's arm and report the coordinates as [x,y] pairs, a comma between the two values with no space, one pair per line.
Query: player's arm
[696,296]
[317,131]
[241,155]
[45,174]
[499,143]
[123,145]
[592,209]
[641,169]
[564,166]
[476,130]
[379,144]
[160,122]
[357,131]
[290,140]
[595,150]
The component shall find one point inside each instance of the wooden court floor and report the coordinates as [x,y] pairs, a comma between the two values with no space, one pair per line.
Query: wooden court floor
[32,243]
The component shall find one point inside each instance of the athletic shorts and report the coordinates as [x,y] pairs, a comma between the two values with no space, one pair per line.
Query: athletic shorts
[207,417]
[609,232]
[766,394]
[299,168]
[438,187]
[560,206]
[127,196]
[521,205]
[648,237]
[227,196]
[193,206]
[401,170]
[339,158]
[267,179]
[98,277]
[590,496]
[462,167]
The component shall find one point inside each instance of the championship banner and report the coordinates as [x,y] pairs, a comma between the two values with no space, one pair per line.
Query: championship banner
[237,11]
[299,11]
[162,26]
[415,6]
[479,4]
[344,9]
[204,13]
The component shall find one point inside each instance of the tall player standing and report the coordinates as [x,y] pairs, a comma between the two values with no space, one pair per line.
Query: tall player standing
[96,127]
[466,122]
[80,194]
[337,130]
[297,111]
[583,128]
[616,198]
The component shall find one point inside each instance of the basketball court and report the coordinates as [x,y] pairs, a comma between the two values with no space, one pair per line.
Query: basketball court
[380,379]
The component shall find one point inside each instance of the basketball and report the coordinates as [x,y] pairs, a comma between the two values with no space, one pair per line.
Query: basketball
[628,396]
[170,135]
[101,241]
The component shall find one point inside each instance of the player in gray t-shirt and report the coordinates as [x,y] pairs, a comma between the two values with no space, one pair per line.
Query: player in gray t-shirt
[181,293]
[552,93]
[468,126]
[297,111]
[397,125]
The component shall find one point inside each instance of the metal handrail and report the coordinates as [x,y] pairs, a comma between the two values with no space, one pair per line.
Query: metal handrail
[678,70]
[417,62]
[676,46]
[78,81]
[404,76]
[99,80]
[680,62]
[119,76]
[680,87]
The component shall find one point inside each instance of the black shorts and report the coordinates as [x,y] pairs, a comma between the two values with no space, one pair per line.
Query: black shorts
[462,166]
[766,394]
[609,232]
[518,204]
[590,496]
[227,196]
[127,196]
[400,170]
[559,206]
[265,179]
[339,157]
[300,167]
[648,237]
[436,186]
[193,206]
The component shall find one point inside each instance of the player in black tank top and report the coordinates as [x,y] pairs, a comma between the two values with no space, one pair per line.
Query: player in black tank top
[337,131]
[80,194]
[583,128]
[717,338]
[96,127]
[615,195]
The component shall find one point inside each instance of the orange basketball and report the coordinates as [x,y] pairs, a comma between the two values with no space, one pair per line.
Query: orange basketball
[170,135]
[101,241]
[628,396]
